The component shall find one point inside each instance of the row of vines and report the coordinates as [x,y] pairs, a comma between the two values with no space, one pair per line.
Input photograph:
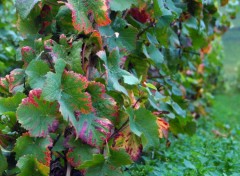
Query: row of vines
[98,82]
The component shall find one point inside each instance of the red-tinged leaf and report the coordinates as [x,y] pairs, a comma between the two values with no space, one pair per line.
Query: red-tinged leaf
[28,54]
[38,147]
[105,106]
[16,80]
[130,142]
[92,130]
[38,116]
[163,127]
[97,39]
[84,13]
[29,165]
[78,152]
[4,86]
[140,15]
[73,96]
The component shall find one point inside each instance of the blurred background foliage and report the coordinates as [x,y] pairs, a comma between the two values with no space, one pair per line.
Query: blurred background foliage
[9,38]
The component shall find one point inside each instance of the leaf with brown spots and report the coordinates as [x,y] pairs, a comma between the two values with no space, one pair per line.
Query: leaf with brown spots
[130,142]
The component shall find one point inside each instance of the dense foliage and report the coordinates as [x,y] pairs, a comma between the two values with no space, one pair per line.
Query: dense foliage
[101,81]
[9,38]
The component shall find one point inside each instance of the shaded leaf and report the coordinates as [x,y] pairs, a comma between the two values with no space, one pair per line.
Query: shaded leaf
[24,7]
[98,166]
[3,163]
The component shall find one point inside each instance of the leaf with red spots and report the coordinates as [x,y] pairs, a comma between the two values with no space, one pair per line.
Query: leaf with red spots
[92,130]
[37,115]
[38,147]
[163,127]
[4,86]
[78,152]
[85,13]
[104,105]
[130,142]
[16,80]
[29,165]
[28,54]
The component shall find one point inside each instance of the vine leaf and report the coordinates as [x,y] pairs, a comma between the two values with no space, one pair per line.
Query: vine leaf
[10,104]
[143,123]
[29,165]
[82,9]
[24,7]
[36,71]
[163,127]
[130,142]
[99,166]
[73,59]
[38,147]
[37,115]
[127,38]
[115,73]
[93,130]
[104,106]
[78,152]
[121,5]
[3,163]
[16,80]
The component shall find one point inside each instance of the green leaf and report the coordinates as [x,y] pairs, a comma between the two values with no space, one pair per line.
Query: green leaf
[37,147]
[127,35]
[104,106]
[154,54]
[10,104]
[145,122]
[78,152]
[3,163]
[29,165]
[178,109]
[121,5]
[98,166]
[189,165]
[119,158]
[37,115]
[92,130]
[81,10]
[24,7]
[115,73]
[52,88]
[73,59]
[36,71]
